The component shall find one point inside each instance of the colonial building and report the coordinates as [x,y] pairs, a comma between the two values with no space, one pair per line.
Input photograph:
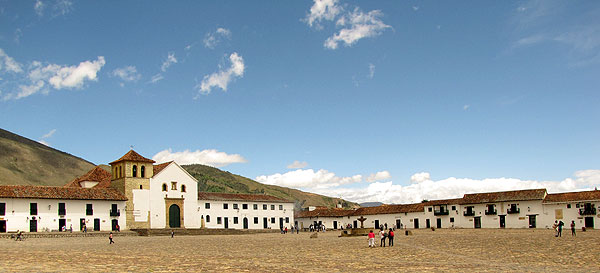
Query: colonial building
[510,209]
[136,194]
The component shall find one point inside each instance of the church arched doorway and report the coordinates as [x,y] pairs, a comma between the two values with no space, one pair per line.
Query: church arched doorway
[174,216]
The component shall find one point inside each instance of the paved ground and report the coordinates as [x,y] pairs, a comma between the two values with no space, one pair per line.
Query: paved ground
[433,251]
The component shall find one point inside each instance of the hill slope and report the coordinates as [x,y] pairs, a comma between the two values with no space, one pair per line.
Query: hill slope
[27,162]
[214,180]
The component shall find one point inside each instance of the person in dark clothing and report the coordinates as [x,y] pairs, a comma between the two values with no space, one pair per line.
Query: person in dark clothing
[172,233]
[391,237]
[560,226]
[573,228]
[110,239]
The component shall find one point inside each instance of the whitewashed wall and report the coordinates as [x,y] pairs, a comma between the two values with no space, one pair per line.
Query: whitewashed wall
[17,214]
[216,210]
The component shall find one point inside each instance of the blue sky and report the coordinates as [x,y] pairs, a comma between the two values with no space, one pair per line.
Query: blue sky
[391,101]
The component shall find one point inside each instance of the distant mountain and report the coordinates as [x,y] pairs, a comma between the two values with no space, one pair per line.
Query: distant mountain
[214,180]
[27,162]
[371,204]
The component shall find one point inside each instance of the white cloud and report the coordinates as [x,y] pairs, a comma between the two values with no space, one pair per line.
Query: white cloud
[9,64]
[357,25]
[424,188]
[322,10]
[168,62]
[44,138]
[309,178]
[222,78]
[127,73]
[156,78]
[420,177]
[62,7]
[415,8]
[297,165]
[206,157]
[383,175]
[39,7]
[212,39]
[466,107]
[371,71]
[58,77]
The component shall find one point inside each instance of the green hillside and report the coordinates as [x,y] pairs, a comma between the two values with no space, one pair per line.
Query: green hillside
[214,180]
[27,162]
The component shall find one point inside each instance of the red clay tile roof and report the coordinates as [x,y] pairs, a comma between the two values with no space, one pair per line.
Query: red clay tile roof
[160,167]
[389,209]
[132,156]
[66,193]
[97,174]
[217,196]
[325,212]
[454,201]
[490,197]
[573,196]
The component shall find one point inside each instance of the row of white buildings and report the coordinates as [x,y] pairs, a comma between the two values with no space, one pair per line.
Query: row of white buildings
[511,209]
[136,194]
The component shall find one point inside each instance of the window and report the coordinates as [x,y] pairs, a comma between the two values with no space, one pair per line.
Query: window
[451,219]
[142,171]
[235,220]
[264,206]
[429,209]
[568,206]
[182,188]
[280,207]
[208,218]
[32,208]
[272,220]
[134,171]
[235,206]
[272,207]
[453,207]
[141,187]
[577,205]
[89,210]
[287,220]
[225,206]
[255,206]
[256,220]
[61,209]
[207,205]
[218,220]
[174,186]
[2,209]
[244,206]
[164,187]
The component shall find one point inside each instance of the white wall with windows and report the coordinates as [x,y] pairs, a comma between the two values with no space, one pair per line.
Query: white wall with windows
[258,214]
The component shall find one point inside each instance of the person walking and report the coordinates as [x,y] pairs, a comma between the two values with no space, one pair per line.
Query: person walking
[555,227]
[560,226]
[382,235]
[391,238]
[110,239]
[371,239]
[172,233]
[573,228]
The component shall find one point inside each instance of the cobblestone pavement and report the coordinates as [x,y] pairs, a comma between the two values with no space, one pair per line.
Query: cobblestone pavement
[424,251]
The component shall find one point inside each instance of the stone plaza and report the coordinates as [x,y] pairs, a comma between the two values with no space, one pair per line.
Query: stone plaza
[458,250]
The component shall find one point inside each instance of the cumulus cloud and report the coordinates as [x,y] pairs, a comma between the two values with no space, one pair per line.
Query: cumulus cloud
[297,165]
[308,179]
[322,10]
[206,157]
[168,62]
[9,64]
[425,188]
[212,39]
[127,73]
[383,175]
[222,78]
[42,77]
[39,7]
[356,25]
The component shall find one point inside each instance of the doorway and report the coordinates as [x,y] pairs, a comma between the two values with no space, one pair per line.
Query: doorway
[245,223]
[477,221]
[355,224]
[265,223]
[3,226]
[398,223]
[97,224]
[502,221]
[532,222]
[62,223]
[377,224]
[81,224]
[427,223]
[114,224]
[226,222]
[33,225]
[589,222]
[174,216]
[416,223]
[334,224]
[280,223]
[439,223]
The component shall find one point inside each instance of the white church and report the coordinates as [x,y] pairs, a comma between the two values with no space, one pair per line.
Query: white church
[136,194]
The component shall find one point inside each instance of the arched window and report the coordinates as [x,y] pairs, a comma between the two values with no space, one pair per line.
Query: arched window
[120,172]
[208,218]
[142,171]
[182,188]
[134,171]
[164,187]
[141,187]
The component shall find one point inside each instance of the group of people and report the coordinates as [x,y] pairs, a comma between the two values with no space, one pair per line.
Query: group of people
[383,235]
[316,227]
[558,227]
